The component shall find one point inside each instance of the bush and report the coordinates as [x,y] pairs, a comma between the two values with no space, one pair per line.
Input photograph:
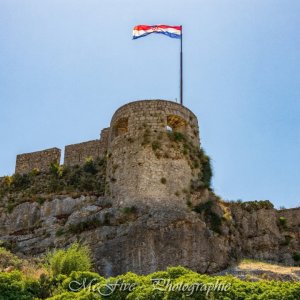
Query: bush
[256,205]
[59,232]
[57,170]
[13,286]
[175,283]
[89,277]
[75,258]
[35,172]
[84,225]
[7,259]
[20,182]
[8,180]
[282,222]
[176,136]
[130,210]
[296,256]
[90,166]
[40,200]
[210,216]
[18,188]
[206,168]
[10,207]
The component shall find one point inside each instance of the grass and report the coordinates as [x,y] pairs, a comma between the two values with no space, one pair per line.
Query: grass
[253,264]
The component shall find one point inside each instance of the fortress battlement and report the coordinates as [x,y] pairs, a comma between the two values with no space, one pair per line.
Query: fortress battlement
[75,154]
[152,147]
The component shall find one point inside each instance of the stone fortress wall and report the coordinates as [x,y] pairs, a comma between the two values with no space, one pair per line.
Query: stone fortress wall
[143,165]
[142,161]
[37,160]
[75,154]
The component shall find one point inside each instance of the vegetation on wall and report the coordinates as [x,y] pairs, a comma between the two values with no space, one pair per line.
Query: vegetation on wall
[161,143]
[37,186]
[251,206]
[210,217]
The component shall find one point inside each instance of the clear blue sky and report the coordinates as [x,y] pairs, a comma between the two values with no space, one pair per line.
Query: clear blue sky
[67,65]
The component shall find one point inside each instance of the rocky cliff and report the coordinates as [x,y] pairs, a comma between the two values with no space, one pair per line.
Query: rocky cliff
[146,239]
[144,204]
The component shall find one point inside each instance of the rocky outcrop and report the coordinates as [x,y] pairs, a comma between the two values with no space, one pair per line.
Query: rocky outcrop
[146,239]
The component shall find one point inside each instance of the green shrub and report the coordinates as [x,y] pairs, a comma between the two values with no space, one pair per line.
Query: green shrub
[176,136]
[255,205]
[10,207]
[56,170]
[59,232]
[90,166]
[8,259]
[78,276]
[75,258]
[13,286]
[175,272]
[35,172]
[282,222]
[210,216]
[176,283]
[129,210]
[296,256]
[40,200]
[20,182]
[206,169]
[84,226]
[8,180]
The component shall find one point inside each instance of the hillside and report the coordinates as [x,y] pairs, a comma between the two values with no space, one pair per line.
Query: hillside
[41,211]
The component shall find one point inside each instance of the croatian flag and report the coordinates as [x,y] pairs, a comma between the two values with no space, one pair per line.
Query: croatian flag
[143,30]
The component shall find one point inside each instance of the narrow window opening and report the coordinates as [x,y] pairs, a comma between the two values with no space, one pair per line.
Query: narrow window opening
[176,123]
[120,128]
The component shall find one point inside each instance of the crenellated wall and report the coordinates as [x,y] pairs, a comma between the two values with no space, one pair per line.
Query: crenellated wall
[77,154]
[143,160]
[40,160]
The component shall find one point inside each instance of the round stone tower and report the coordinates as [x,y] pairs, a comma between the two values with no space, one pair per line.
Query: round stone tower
[152,153]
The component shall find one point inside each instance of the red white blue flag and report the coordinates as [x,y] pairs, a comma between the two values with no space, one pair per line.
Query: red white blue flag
[143,30]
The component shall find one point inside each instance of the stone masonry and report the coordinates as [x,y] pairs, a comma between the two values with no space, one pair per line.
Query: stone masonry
[77,154]
[142,163]
[151,148]
[40,160]
[143,166]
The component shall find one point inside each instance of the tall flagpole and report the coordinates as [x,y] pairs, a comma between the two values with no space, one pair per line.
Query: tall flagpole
[181,70]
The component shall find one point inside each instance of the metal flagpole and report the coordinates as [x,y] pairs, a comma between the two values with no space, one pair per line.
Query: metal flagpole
[181,70]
